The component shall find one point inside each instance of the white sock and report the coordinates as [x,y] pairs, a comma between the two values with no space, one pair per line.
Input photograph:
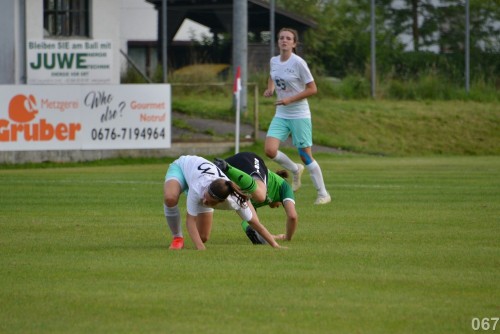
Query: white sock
[173,217]
[317,178]
[282,159]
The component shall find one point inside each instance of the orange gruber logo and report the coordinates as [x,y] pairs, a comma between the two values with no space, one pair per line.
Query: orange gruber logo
[22,109]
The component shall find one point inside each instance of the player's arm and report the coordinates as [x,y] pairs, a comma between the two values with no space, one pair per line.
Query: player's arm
[310,89]
[193,232]
[258,227]
[292,219]
[270,88]
[287,199]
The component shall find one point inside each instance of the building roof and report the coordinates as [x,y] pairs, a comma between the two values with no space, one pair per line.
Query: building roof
[218,15]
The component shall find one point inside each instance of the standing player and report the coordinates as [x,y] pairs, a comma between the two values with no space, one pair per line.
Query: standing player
[251,174]
[291,78]
[207,189]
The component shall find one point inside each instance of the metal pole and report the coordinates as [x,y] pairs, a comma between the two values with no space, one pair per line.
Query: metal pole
[164,39]
[467,47]
[272,28]
[240,46]
[373,55]
[237,130]
[22,76]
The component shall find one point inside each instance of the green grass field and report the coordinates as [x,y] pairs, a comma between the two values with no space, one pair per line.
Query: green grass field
[408,245]
[382,127]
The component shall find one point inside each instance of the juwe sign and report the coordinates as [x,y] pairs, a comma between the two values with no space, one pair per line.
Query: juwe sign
[69,62]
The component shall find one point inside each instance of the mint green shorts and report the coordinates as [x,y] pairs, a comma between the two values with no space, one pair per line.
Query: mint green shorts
[175,172]
[299,128]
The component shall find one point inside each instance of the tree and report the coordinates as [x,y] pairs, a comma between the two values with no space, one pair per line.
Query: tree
[485,25]
[340,44]
[415,18]
[441,23]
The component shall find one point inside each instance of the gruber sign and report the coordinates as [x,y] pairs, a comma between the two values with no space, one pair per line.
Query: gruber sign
[77,117]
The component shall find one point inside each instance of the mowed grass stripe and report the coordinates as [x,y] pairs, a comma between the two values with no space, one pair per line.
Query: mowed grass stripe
[408,245]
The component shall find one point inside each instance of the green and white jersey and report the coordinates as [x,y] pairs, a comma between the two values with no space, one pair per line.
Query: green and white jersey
[278,190]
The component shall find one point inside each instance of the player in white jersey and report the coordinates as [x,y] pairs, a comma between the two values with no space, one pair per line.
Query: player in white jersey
[293,83]
[207,189]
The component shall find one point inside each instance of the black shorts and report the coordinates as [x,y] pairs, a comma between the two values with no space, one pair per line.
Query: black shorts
[249,163]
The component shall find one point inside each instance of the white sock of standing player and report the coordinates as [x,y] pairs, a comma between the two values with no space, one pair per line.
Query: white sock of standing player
[282,159]
[313,168]
[317,178]
[173,217]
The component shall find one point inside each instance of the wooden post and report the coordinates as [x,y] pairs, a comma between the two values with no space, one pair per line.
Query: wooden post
[256,112]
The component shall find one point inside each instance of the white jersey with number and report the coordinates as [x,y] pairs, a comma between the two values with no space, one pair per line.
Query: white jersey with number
[199,174]
[290,78]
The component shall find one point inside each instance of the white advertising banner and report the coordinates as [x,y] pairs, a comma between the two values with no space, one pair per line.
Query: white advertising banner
[74,62]
[81,117]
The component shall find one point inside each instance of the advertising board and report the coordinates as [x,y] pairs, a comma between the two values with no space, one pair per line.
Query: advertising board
[83,117]
[69,62]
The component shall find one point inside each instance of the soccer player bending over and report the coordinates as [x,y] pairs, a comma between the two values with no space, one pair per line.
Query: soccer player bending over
[207,189]
[251,174]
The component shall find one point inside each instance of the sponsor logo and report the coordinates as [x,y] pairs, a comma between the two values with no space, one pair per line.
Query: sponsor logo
[23,125]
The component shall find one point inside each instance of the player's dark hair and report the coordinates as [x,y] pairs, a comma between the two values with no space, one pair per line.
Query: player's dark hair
[295,36]
[283,173]
[220,189]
